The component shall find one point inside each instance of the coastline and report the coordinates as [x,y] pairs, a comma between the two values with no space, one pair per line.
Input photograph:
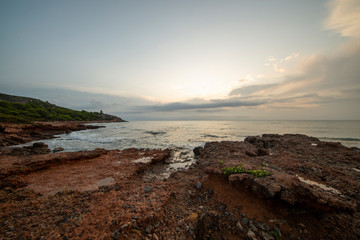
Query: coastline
[19,133]
[312,191]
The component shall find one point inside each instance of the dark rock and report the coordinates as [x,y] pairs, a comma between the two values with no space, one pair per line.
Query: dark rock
[40,145]
[197,150]
[58,149]
[16,140]
[115,235]
[251,235]
[148,229]
[252,227]
[301,225]
[251,154]
[161,157]
[222,207]
[19,151]
[262,152]
[147,189]
[40,148]
[124,226]
[266,236]
[124,206]
[36,148]
[251,139]
[330,144]
[238,224]
[266,141]
[263,226]
[245,221]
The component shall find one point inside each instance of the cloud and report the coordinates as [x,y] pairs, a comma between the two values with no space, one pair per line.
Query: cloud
[277,68]
[317,80]
[248,90]
[291,57]
[271,59]
[213,104]
[277,64]
[344,18]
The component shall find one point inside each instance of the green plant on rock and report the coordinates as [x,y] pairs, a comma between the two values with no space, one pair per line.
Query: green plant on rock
[258,173]
[239,169]
[221,162]
[276,234]
[263,164]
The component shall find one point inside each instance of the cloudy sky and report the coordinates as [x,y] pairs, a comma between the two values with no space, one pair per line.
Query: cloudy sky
[186,60]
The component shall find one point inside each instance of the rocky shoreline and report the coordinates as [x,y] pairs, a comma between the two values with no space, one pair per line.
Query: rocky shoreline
[269,187]
[13,133]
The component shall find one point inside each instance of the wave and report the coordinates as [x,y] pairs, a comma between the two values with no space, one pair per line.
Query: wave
[115,127]
[101,140]
[212,136]
[155,133]
[93,138]
[341,139]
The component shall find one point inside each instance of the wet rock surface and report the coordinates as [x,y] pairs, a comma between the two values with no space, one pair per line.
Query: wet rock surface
[13,134]
[36,148]
[312,192]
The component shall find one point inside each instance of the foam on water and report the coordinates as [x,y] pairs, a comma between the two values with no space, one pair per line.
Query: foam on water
[190,134]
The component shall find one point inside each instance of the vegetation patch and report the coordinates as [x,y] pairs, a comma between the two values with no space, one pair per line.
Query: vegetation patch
[276,234]
[26,110]
[239,169]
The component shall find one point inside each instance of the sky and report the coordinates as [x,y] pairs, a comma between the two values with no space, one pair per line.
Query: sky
[186,60]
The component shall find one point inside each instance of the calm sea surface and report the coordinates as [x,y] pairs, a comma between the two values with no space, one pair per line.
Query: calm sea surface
[190,134]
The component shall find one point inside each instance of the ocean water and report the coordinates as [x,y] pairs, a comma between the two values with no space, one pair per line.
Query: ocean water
[190,134]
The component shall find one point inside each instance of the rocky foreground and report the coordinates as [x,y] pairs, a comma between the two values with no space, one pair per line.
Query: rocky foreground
[269,187]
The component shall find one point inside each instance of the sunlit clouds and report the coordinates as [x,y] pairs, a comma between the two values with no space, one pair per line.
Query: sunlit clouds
[186,60]
[344,17]
[316,80]
[278,65]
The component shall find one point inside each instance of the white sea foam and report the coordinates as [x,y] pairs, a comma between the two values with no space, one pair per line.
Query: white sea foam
[143,160]
[190,134]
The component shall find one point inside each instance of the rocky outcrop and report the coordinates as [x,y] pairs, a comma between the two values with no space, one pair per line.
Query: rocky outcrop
[36,148]
[311,192]
[13,134]
[306,175]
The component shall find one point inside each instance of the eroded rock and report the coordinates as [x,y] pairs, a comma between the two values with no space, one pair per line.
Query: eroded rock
[103,194]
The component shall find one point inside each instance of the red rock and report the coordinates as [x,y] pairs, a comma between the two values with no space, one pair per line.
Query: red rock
[13,133]
[92,194]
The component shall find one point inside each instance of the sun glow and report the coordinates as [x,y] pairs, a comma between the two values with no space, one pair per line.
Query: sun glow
[203,86]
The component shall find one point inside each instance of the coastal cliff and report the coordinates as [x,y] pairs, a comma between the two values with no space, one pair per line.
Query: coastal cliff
[269,187]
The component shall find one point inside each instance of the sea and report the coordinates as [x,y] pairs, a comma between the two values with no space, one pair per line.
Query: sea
[190,134]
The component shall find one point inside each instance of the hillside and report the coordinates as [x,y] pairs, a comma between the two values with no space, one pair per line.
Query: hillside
[17,109]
